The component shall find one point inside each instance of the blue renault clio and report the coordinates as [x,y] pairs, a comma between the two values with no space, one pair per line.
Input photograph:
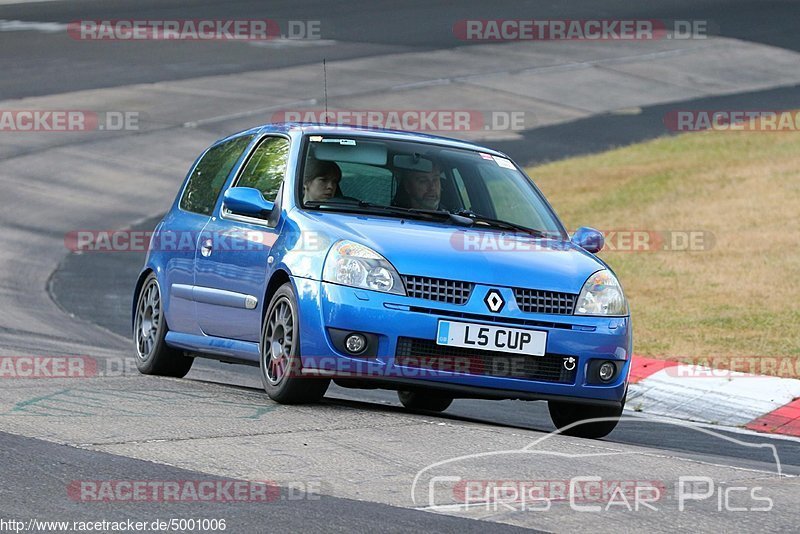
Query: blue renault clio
[376,258]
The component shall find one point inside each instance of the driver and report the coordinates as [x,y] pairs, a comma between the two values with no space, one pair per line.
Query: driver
[419,189]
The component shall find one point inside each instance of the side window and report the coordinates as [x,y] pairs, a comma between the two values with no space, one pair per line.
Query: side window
[266,167]
[210,174]
[512,202]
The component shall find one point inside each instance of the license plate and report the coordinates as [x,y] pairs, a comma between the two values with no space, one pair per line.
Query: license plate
[497,338]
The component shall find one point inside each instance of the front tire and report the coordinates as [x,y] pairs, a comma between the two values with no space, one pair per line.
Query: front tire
[153,356]
[281,367]
[565,414]
[421,401]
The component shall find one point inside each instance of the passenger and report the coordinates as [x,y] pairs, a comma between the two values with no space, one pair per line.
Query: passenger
[321,180]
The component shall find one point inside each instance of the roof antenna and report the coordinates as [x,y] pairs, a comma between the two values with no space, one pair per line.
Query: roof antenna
[325,87]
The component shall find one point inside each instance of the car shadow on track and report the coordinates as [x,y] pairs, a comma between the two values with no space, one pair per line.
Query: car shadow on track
[678,437]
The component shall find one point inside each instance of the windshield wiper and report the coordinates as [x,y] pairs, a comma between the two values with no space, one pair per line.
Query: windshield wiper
[441,214]
[417,213]
[498,223]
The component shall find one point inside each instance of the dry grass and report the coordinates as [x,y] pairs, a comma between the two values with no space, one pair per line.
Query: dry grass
[741,297]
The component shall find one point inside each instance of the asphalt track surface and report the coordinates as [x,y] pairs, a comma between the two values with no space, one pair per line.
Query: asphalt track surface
[281,512]
[97,287]
[361,28]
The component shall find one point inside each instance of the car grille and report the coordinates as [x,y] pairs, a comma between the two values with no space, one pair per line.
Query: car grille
[426,354]
[438,289]
[539,301]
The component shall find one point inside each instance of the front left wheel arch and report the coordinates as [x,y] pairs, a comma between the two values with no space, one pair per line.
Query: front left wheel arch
[278,278]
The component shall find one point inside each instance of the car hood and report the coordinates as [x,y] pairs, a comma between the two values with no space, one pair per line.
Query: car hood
[443,250]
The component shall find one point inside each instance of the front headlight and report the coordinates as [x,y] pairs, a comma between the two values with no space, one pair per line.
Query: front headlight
[355,265]
[602,295]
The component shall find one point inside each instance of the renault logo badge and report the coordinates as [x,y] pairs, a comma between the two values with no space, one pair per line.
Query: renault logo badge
[494,301]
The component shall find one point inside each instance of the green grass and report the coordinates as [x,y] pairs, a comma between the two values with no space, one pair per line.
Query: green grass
[741,297]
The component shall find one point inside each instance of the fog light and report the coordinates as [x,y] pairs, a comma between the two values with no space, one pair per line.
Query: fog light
[607,370]
[355,343]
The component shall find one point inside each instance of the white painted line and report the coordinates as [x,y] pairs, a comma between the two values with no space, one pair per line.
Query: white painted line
[13,2]
[424,83]
[30,26]
[577,65]
[291,43]
[221,118]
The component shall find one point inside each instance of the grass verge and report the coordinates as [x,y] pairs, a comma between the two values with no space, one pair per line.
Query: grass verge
[737,294]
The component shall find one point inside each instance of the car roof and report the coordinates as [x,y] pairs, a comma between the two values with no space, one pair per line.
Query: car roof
[309,128]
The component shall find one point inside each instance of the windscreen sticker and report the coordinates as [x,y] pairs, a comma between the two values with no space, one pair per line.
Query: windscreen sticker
[486,156]
[503,162]
[347,142]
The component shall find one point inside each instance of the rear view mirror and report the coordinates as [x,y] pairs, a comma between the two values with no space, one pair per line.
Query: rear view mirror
[246,201]
[412,162]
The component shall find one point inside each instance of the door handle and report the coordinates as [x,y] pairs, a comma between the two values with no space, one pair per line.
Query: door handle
[206,247]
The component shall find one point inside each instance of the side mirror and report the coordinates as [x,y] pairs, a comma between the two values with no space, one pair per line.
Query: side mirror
[246,201]
[589,239]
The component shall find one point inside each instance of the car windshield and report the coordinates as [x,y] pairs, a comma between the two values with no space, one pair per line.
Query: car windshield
[421,180]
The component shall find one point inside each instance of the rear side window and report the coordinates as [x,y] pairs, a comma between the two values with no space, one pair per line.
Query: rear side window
[367,182]
[208,177]
[266,167]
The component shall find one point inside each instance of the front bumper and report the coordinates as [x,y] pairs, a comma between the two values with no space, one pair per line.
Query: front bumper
[324,306]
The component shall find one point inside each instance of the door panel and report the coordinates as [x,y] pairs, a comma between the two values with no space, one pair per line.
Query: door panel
[176,239]
[231,267]
[230,278]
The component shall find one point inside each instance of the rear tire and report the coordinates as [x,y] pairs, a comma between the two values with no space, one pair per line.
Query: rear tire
[281,367]
[153,356]
[422,401]
[564,414]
